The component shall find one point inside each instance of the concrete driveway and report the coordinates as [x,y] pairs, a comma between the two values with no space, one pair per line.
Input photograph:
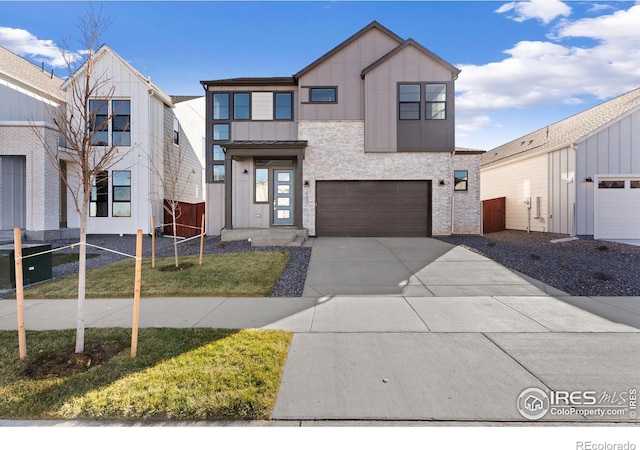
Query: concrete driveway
[414,267]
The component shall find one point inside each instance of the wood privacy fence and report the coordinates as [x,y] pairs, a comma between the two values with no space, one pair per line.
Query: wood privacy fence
[188,221]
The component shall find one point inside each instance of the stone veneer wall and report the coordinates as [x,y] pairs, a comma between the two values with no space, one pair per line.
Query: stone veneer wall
[466,204]
[335,151]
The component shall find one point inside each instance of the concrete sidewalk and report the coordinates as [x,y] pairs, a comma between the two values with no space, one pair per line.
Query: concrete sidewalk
[406,330]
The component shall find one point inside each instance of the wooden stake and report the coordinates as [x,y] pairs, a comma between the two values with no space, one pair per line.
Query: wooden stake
[153,241]
[202,239]
[22,339]
[136,296]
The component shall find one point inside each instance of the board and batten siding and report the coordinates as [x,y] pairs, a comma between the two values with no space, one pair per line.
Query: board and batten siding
[191,115]
[562,191]
[381,100]
[614,149]
[343,70]
[518,182]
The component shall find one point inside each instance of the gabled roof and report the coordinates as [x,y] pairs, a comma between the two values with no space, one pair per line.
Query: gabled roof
[329,54]
[104,49]
[565,132]
[405,44]
[30,76]
[183,98]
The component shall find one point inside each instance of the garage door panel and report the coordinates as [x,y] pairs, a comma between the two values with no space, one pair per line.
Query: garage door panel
[618,212]
[373,208]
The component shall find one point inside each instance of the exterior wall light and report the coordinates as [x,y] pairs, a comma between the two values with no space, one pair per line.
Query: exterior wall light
[588,180]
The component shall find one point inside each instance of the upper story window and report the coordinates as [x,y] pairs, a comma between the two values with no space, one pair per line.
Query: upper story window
[241,106]
[435,101]
[283,106]
[119,111]
[409,102]
[176,130]
[323,95]
[221,106]
[99,121]
[460,180]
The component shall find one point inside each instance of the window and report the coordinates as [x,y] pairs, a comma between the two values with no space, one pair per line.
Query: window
[99,121]
[221,132]
[435,96]
[283,106]
[220,106]
[262,185]
[611,184]
[460,180]
[241,109]
[176,130]
[323,95]
[218,172]
[409,102]
[218,152]
[635,184]
[121,118]
[99,199]
[121,202]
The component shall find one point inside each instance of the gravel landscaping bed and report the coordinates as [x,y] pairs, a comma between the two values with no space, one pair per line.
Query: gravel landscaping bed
[290,284]
[578,267]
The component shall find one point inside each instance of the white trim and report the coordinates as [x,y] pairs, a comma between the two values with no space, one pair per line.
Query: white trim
[596,179]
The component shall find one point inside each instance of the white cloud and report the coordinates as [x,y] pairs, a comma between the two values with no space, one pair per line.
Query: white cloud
[472,123]
[543,10]
[23,43]
[545,72]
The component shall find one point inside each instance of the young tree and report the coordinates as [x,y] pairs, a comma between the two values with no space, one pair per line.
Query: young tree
[81,126]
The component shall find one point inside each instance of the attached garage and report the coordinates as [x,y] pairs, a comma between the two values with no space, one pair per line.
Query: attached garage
[373,208]
[617,208]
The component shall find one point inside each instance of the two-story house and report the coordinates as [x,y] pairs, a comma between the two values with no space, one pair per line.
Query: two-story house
[358,143]
[29,183]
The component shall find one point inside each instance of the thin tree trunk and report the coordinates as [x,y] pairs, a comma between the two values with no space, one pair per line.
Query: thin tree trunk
[82,271]
[175,232]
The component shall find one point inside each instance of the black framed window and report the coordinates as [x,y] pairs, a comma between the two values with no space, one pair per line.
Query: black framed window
[435,96]
[99,121]
[176,131]
[241,106]
[120,128]
[221,106]
[121,201]
[283,104]
[409,101]
[460,180]
[221,131]
[218,173]
[323,95]
[99,199]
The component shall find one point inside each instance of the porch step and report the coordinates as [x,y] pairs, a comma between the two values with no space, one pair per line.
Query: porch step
[267,237]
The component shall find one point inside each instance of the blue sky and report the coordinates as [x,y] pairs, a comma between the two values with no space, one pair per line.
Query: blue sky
[525,64]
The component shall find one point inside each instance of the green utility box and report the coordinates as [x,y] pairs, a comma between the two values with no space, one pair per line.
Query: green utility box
[34,269]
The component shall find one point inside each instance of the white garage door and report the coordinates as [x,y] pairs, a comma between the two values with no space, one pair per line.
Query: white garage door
[618,208]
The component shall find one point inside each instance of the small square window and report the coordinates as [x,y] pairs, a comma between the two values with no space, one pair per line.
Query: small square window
[323,95]
[461,180]
[221,132]
[218,173]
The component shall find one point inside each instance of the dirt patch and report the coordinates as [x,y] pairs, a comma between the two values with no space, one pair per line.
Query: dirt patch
[174,268]
[66,362]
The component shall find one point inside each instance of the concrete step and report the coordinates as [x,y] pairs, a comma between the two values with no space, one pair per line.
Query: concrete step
[267,237]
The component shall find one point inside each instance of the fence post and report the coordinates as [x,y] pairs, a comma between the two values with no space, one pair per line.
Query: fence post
[22,339]
[136,296]
[201,239]
[153,241]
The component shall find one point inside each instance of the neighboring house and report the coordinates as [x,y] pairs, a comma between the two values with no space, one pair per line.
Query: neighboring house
[579,176]
[358,143]
[29,184]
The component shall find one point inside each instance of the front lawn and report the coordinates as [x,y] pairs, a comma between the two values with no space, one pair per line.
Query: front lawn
[185,374]
[225,275]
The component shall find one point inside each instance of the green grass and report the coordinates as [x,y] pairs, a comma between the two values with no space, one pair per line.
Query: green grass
[227,275]
[65,258]
[186,374]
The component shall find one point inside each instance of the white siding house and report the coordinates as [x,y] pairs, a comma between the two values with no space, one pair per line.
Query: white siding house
[579,176]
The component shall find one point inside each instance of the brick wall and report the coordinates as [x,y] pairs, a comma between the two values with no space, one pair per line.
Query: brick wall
[42,177]
[335,151]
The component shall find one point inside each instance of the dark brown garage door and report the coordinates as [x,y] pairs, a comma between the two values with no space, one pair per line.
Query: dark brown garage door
[373,208]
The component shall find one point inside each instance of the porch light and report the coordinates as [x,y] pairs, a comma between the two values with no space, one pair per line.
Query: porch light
[588,180]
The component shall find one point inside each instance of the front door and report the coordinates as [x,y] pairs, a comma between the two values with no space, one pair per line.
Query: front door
[283,197]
